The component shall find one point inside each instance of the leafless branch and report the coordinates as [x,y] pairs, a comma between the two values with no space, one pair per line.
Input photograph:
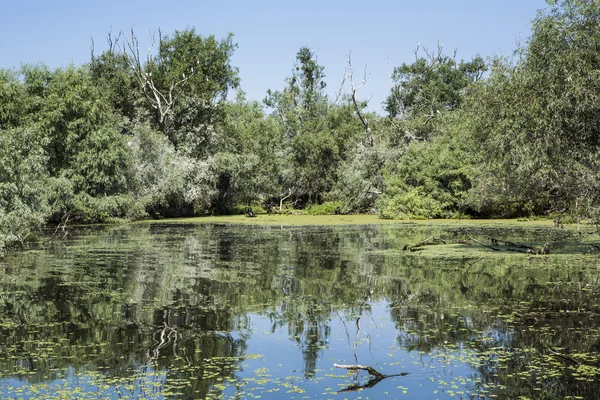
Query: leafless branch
[92,57]
[433,56]
[372,371]
[283,198]
[339,92]
[358,107]
[161,99]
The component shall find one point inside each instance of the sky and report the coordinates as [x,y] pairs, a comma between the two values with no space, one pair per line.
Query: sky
[380,34]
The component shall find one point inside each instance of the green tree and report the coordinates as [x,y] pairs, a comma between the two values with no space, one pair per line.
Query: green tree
[537,119]
[80,136]
[303,104]
[248,164]
[12,100]
[319,134]
[111,72]
[433,178]
[186,84]
[433,84]
[24,180]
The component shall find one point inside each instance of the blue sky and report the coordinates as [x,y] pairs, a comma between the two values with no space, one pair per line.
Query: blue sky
[269,32]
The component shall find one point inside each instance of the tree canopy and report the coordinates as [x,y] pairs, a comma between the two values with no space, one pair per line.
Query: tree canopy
[172,134]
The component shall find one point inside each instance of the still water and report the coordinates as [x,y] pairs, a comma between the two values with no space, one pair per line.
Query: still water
[222,311]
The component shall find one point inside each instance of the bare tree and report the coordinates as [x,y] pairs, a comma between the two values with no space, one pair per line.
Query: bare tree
[113,45]
[162,99]
[359,106]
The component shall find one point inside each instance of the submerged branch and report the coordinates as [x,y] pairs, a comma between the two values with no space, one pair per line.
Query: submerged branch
[355,367]
[433,240]
[376,376]
[479,243]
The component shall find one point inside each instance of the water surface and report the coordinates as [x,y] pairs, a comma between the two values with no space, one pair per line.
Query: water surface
[224,311]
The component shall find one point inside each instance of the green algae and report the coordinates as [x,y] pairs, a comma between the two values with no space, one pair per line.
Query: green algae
[352,219]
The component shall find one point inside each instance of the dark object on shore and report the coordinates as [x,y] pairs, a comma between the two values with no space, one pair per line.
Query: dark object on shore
[249,212]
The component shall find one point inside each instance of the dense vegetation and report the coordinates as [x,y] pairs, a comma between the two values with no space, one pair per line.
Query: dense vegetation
[124,137]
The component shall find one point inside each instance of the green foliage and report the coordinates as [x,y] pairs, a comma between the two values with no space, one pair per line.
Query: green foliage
[196,73]
[207,59]
[89,209]
[327,208]
[432,179]
[241,209]
[165,181]
[248,166]
[320,135]
[537,120]
[78,131]
[11,100]
[431,85]
[125,137]
[110,72]
[359,180]
[303,103]
[23,202]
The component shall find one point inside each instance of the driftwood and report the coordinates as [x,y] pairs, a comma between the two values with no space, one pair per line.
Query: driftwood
[355,367]
[479,243]
[430,241]
[496,244]
[376,376]
[504,245]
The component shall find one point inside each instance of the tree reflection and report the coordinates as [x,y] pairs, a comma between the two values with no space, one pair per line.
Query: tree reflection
[175,300]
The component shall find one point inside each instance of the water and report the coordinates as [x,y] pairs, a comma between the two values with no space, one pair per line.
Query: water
[217,311]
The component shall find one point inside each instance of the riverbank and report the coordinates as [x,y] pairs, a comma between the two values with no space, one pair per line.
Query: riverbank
[357,219]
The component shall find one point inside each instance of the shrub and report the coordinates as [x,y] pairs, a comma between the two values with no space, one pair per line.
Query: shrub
[327,208]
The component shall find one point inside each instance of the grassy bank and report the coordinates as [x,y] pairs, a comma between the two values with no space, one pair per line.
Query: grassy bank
[359,219]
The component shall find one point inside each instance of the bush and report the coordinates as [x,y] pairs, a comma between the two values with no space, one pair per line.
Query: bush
[90,209]
[327,208]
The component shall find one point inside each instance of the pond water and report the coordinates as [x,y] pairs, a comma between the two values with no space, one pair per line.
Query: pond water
[222,311]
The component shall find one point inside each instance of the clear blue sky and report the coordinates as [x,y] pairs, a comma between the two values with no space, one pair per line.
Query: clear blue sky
[270,32]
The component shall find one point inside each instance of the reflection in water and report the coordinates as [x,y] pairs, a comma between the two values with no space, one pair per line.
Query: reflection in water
[237,311]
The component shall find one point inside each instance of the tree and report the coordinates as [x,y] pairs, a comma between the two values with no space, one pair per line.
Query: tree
[185,83]
[319,134]
[433,84]
[12,100]
[433,178]
[111,72]
[24,204]
[248,164]
[302,105]
[537,120]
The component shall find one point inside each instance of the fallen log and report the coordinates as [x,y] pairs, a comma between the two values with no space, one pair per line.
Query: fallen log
[479,243]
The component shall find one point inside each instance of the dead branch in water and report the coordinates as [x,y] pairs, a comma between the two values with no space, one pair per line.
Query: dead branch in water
[376,376]
[430,241]
[355,367]
[479,243]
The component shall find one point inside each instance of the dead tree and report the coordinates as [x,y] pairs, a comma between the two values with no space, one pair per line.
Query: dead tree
[113,46]
[394,93]
[282,198]
[161,99]
[358,106]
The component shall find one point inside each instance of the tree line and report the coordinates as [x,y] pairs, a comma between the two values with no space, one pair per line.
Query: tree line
[129,136]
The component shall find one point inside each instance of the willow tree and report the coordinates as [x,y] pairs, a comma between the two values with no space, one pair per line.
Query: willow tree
[538,120]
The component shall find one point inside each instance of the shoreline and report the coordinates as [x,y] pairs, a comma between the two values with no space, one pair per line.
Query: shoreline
[355,219]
